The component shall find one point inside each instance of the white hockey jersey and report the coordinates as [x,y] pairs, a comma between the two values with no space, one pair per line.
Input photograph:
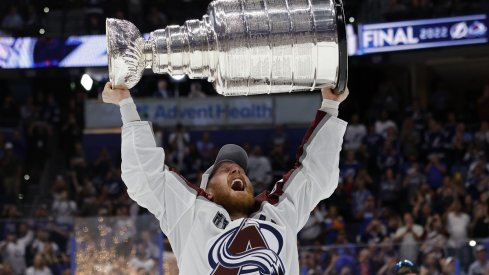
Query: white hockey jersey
[204,238]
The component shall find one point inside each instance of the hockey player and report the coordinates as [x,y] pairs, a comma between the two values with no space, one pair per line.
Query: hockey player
[221,228]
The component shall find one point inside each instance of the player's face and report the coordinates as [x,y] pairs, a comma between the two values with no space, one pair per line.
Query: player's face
[231,188]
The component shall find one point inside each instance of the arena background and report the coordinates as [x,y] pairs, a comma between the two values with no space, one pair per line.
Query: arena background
[415,150]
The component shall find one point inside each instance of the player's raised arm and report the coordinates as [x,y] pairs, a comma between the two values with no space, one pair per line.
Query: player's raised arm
[149,182]
[316,172]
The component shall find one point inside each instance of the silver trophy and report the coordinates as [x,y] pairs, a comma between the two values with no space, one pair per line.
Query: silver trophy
[245,47]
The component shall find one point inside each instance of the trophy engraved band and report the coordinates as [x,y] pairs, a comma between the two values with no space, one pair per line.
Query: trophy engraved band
[244,46]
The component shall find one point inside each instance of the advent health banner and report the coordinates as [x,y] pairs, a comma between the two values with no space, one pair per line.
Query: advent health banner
[212,111]
[420,34]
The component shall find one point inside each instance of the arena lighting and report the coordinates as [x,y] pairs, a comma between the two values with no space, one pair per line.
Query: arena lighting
[42,31]
[472,243]
[26,177]
[351,19]
[178,77]
[46,9]
[87,82]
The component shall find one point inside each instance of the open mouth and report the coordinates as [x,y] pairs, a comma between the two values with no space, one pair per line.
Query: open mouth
[237,185]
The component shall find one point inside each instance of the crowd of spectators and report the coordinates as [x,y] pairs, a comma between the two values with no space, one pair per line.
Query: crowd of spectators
[414,185]
[28,17]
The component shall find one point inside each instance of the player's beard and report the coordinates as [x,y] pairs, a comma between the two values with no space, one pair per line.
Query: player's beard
[235,202]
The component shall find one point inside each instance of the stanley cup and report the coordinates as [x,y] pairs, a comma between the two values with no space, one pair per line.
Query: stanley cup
[244,47]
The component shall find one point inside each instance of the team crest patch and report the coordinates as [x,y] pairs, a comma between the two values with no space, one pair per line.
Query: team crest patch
[250,248]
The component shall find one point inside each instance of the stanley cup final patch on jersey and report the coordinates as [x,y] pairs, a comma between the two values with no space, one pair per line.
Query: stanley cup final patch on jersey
[252,247]
[220,221]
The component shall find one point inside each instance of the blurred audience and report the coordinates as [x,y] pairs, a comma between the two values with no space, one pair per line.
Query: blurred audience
[420,193]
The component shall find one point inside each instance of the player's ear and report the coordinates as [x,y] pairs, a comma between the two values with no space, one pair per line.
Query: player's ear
[210,196]
[210,192]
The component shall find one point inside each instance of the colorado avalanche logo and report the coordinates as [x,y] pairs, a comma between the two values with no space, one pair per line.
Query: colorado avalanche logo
[251,248]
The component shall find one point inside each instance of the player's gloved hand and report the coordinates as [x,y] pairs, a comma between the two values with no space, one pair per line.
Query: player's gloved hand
[114,95]
[329,94]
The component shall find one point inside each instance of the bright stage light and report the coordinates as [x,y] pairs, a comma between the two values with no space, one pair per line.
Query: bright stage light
[87,82]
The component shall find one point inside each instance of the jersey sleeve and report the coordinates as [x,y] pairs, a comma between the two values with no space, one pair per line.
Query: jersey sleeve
[316,172]
[153,186]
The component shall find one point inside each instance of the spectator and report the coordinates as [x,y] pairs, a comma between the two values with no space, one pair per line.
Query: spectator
[344,247]
[63,208]
[102,165]
[179,139]
[141,260]
[350,166]
[384,123]
[389,190]
[41,240]
[483,134]
[309,265]
[375,233]
[448,266]
[435,240]
[409,235]
[13,250]
[480,221]
[259,170]
[390,262]
[430,265]
[389,158]
[38,268]
[457,226]
[114,184]
[333,224]
[193,163]
[355,132]
[435,138]
[372,141]
[480,266]
[51,259]
[196,91]
[162,90]
[152,250]
[125,226]
[359,197]
[435,171]
[206,149]
[364,266]
[313,228]
[413,180]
